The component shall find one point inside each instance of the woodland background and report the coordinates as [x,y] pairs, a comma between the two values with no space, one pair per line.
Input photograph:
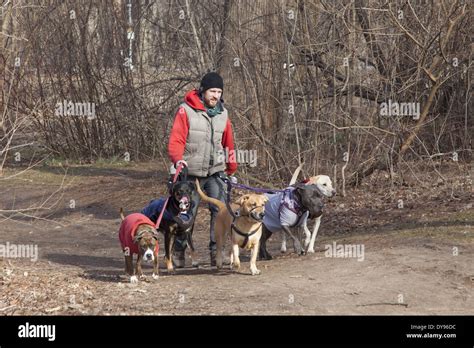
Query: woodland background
[304,80]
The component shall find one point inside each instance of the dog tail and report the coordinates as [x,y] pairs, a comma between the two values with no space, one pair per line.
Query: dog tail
[121,214]
[207,199]
[295,175]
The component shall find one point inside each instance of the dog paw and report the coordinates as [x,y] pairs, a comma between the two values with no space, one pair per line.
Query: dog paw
[195,264]
[310,251]
[142,277]
[133,279]
[283,249]
[299,250]
[226,261]
[255,271]
[155,276]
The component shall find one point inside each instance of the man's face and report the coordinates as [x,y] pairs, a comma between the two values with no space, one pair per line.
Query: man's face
[212,96]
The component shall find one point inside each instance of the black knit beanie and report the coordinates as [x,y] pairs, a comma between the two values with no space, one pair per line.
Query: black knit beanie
[211,80]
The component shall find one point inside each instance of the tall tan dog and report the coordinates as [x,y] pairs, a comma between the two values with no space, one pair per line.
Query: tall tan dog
[245,230]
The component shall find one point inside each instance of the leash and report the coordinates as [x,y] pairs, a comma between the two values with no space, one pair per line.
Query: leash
[254,189]
[158,221]
[228,200]
[231,185]
[286,192]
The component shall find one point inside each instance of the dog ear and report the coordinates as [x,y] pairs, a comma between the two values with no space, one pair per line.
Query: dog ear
[309,188]
[242,199]
[172,187]
[137,238]
[155,234]
[300,186]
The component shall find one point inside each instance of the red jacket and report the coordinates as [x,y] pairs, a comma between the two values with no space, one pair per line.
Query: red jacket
[179,132]
[128,230]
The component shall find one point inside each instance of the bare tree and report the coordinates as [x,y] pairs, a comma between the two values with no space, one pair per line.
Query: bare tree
[305,80]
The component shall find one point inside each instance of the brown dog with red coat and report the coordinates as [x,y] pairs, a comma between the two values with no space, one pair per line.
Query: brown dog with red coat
[138,235]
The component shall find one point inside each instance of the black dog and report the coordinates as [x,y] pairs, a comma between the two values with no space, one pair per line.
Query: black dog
[290,209]
[177,218]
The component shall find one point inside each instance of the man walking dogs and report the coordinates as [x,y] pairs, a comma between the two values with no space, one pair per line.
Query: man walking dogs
[201,133]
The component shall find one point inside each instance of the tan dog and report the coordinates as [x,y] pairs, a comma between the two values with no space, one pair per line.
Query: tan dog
[245,230]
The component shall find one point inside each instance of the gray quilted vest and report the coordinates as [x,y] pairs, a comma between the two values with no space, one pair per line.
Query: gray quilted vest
[203,151]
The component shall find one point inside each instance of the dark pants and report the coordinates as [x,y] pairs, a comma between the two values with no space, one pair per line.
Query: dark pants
[214,187]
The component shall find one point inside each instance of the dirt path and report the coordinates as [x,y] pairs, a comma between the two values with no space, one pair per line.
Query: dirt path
[417,260]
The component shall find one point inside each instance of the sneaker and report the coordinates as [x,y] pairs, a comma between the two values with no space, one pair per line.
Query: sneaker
[178,259]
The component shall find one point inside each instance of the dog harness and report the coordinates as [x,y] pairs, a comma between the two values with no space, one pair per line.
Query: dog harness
[282,209]
[128,230]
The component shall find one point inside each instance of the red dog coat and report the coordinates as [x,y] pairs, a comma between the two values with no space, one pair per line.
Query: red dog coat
[128,229]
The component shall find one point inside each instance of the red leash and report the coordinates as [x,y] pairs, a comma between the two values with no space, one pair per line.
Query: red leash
[178,170]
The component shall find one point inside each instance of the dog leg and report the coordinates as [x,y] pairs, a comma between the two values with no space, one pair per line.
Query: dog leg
[129,264]
[156,273]
[169,251]
[253,259]
[219,233]
[219,258]
[263,253]
[296,242]
[129,268]
[138,268]
[283,243]
[307,236]
[235,252]
[189,238]
[314,234]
